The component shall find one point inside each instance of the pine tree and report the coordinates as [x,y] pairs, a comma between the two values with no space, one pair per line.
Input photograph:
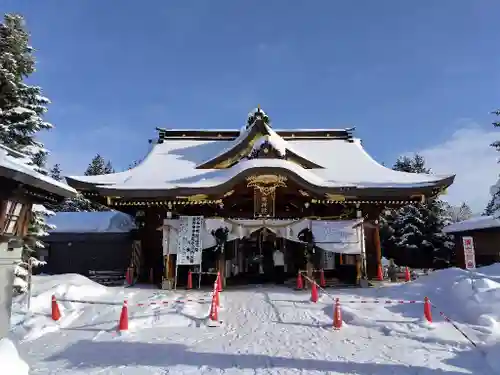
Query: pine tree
[80,204]
[457,213]
[98,166]
[108,169]
[55,172]
[22,108]
[412,235]
[493,207]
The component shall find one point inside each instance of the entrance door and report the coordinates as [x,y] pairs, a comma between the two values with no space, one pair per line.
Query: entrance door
[258,256]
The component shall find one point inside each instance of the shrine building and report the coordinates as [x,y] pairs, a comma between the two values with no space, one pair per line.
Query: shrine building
[222,200]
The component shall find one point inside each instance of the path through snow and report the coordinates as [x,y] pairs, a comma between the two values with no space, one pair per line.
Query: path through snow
[265,331]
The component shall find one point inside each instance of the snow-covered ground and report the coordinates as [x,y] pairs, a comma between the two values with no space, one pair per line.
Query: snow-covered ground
[267,330]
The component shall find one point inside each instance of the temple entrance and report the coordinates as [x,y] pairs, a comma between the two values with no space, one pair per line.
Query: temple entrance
[252,259]
[257,252]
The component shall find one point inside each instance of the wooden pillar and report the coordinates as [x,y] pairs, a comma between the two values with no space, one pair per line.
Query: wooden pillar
[376,241]
[221,267]
[3,207]
[358,269]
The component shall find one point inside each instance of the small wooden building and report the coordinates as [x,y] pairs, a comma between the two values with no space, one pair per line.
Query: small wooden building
[90,243]
[485,233]
[20,188]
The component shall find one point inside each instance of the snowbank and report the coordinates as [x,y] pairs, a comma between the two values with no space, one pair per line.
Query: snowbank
[469,298]
[12,364]
[37,322]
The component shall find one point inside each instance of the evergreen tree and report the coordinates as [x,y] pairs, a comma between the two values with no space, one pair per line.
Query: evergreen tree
[80,204]
[39,162]
[98,166]
[457,213]
[412,235]
[493,207]
[55,172]
[22,108]
[108,168]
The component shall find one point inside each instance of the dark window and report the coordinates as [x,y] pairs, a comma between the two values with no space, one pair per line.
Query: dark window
[12,214]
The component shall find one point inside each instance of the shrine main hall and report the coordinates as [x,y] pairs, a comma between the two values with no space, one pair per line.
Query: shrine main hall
[223,200]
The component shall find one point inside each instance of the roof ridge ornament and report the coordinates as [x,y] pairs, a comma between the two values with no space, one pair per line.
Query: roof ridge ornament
[257,114]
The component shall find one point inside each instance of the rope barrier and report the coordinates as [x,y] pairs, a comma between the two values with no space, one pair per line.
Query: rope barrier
[447,319]
[138,304]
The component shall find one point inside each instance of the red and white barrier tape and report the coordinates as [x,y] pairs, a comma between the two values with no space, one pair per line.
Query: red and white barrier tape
[382,302]
[446,318]
[361,301]
[138,304]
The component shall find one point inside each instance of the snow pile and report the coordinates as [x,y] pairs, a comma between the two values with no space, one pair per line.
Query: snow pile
[472,299]
[12,364]
[37,322]
[265,329]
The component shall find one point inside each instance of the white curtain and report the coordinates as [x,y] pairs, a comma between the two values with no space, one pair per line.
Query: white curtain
[341,236]
[332,236]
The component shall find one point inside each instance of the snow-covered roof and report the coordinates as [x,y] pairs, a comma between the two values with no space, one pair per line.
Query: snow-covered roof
[475,223]
[14,165]
[187,162]
[92,222]
[173,164]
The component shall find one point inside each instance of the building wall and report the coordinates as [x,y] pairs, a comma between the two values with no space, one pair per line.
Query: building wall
[486,245]
[84,252]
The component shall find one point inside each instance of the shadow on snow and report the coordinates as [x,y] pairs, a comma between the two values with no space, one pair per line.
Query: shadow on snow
[90,354]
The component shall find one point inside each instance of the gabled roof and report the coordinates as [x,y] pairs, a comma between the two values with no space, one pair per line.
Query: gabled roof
[250,138]
[14,165]
[475,223]
[199,159]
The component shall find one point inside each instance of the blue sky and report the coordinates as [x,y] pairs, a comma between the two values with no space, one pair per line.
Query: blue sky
[407,74]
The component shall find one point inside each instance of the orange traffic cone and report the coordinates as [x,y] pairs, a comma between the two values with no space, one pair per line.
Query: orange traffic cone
[56,313]
[337,315]
[300,283]
[123,323]
[190,280]
[322,281]
[214,314]
[314,292]
[380,273]
[128,276]
[219,282]
[216,296]
[427,310]
[407,274]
